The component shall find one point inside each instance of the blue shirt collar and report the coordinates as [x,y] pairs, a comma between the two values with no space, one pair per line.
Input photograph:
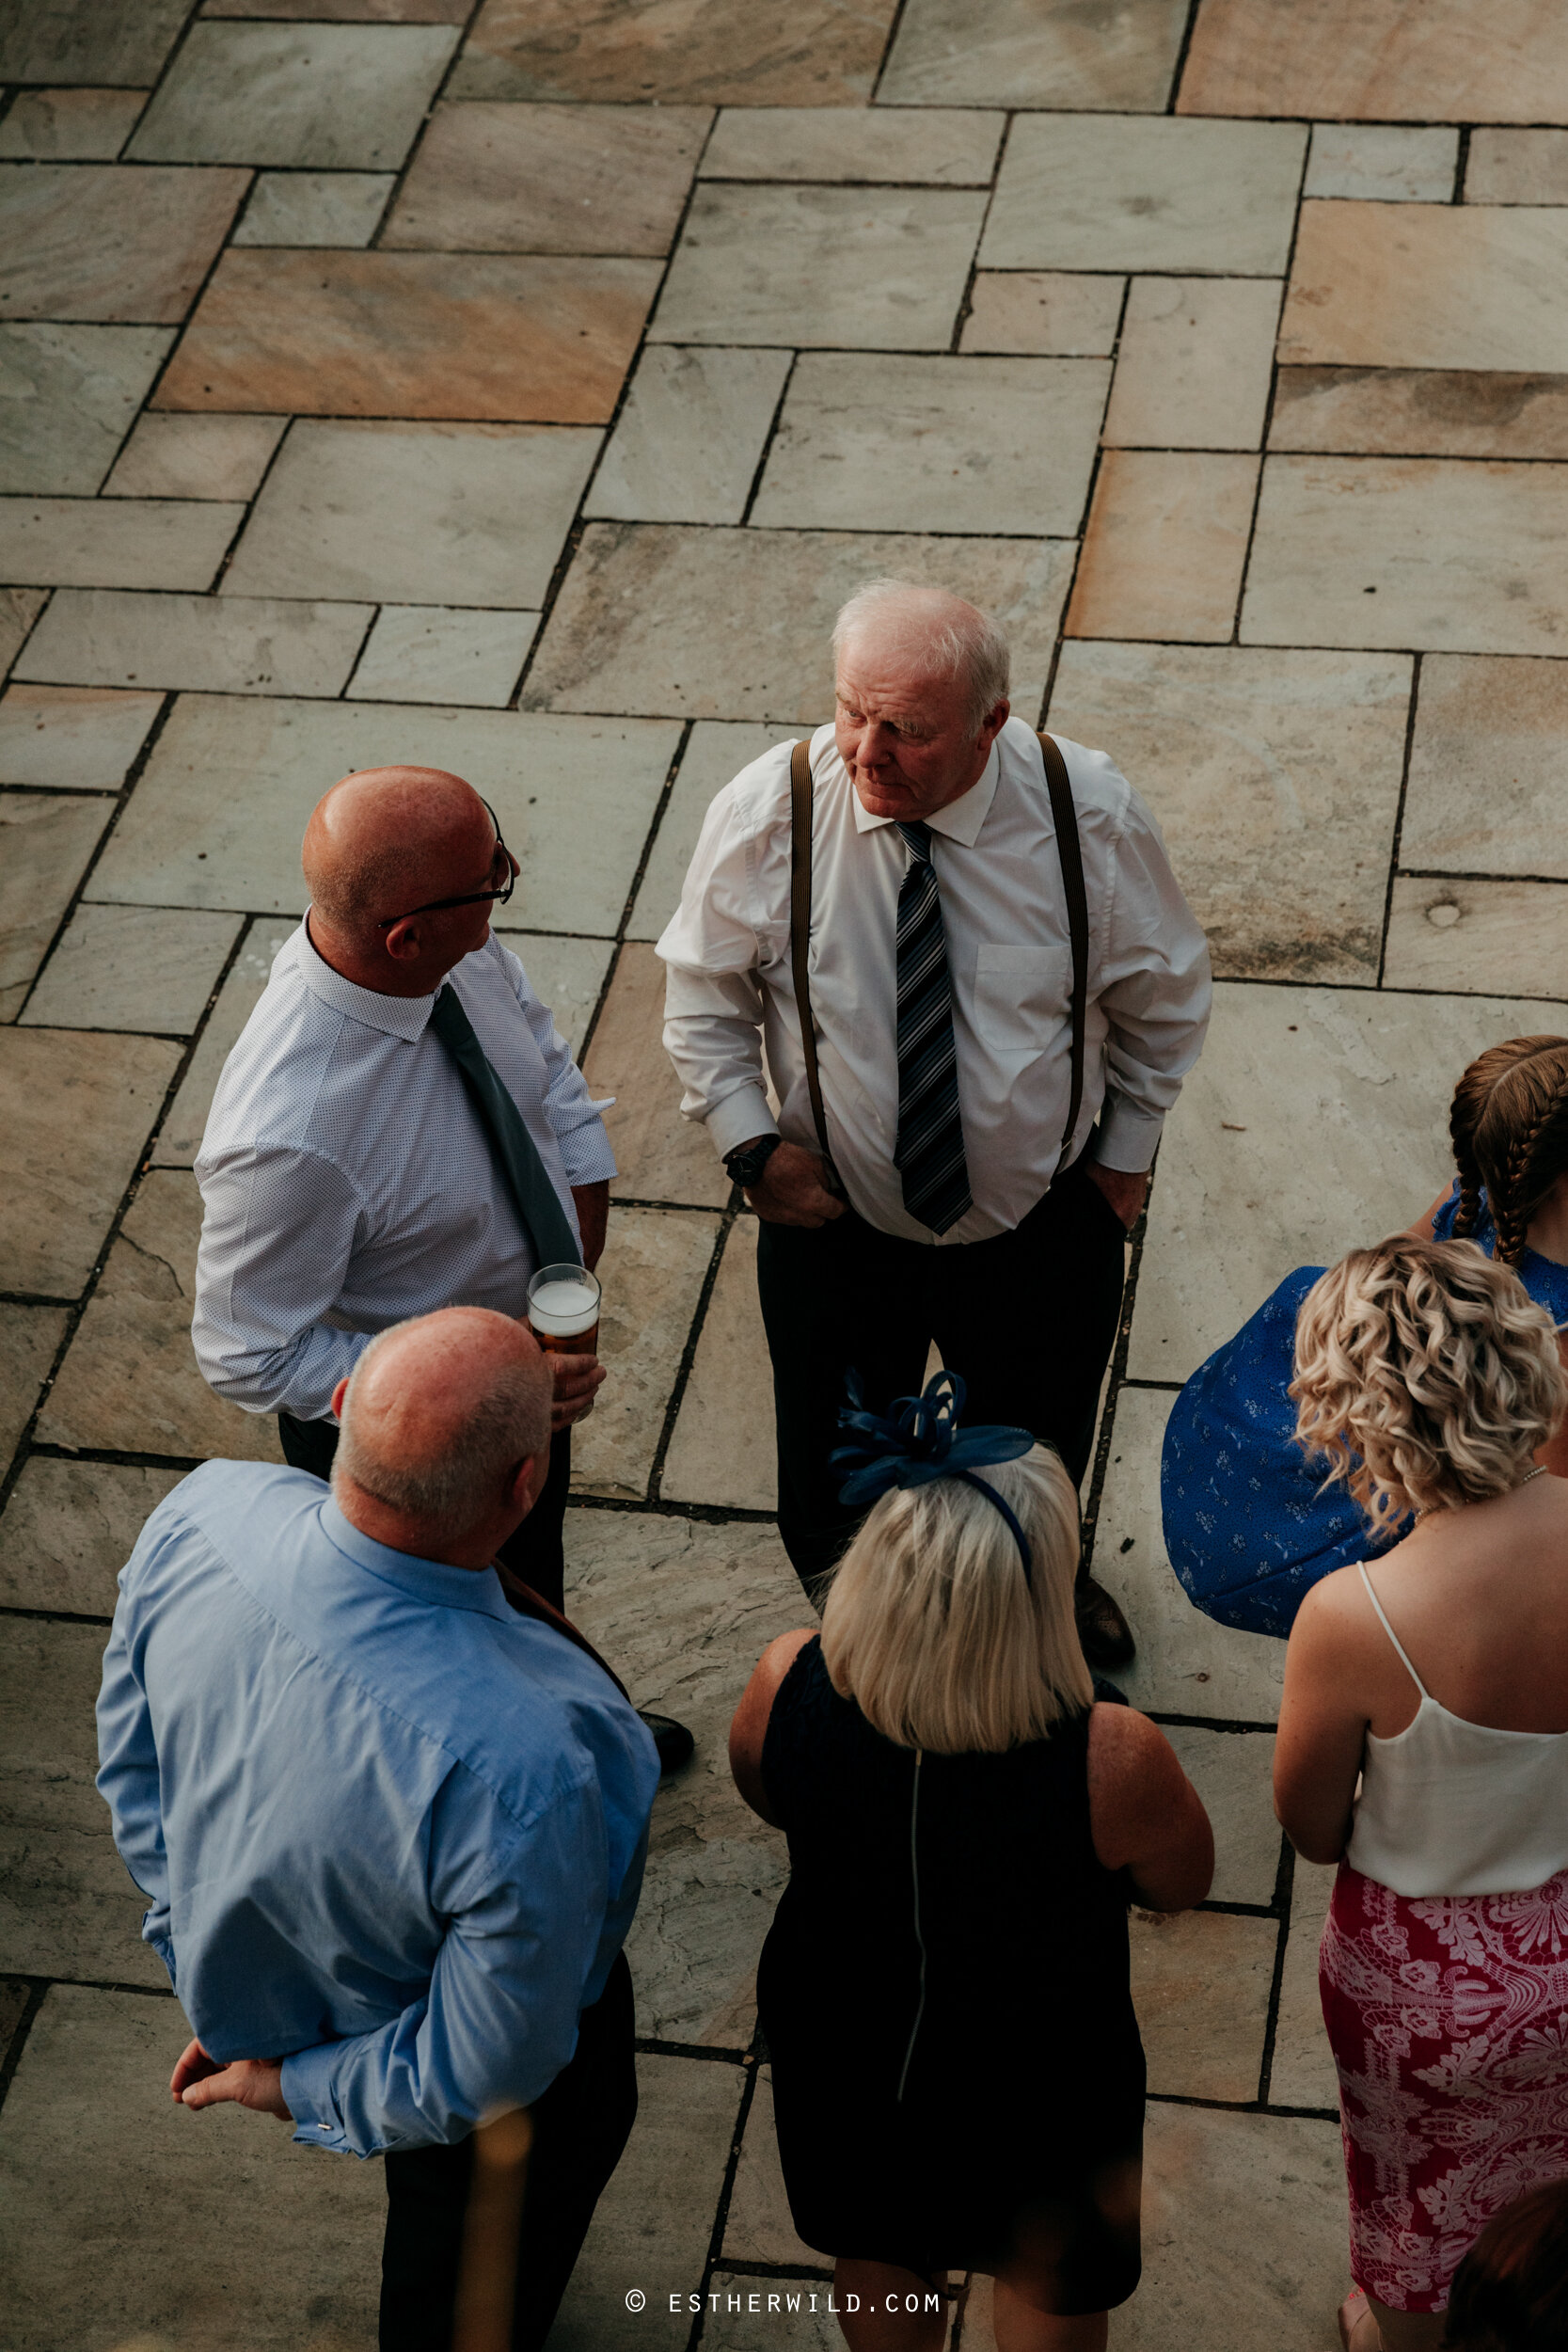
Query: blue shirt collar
[432,1580]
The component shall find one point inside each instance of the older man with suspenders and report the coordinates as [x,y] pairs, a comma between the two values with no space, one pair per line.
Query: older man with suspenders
[979,987]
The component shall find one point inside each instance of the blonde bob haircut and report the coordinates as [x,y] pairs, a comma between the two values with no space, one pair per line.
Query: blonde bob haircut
[929,1627]
[1426,1375]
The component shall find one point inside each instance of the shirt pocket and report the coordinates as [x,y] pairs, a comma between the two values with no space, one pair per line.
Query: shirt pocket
[1023,996]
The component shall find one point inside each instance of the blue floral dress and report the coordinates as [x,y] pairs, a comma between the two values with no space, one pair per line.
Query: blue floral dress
[1248,1523]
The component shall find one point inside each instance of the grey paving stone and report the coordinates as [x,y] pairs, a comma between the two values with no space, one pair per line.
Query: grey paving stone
[122,543]
[71,125]
[1044,310]
[652,1271]
[148,968]
[652,2225]
[315,208]
[1035,52]
[1202,1981]
[950,147]
[1434,552]
[1166,546]
[217,819]
[721,1450]
[1276,779]
[812,266]
[662,1156]
[71,394]
[1316,1117]
[74,1114]
[1233,1773]
[415,514]
[69,1527]
[1186,1664]
[194,457]
[1498,936]
[84,240]
[66,1905]
[1195,364]
[1485,789]
[204,644]
[685,1610]
[46,839]
[428,653]
[1393,163]
[180,1137]
[203,2230]
[1506,166]
[521,179]
[1421,412]
[129,1383]
[1304,2073]
[568,974]
[735,623]
[689,439]
[28,1338]
[341,97]
[72,739]
[1000,446]
[1428,286]
[758,2227]
[811,53]
[88,41]
[715,753]
[1145,192]
[19,609]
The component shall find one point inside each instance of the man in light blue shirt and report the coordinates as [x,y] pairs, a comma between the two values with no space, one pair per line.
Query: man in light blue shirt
[391,1831]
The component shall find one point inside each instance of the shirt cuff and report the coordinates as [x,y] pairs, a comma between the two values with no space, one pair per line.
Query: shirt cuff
[586,1154]
[306,2086]
[1129,1136]
[739,1117]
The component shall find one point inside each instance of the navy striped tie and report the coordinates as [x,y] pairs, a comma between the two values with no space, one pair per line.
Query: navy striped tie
[930,1155]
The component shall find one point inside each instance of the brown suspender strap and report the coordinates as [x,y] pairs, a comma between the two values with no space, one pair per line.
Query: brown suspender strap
[1070,850]
[527,1603]
[800,930]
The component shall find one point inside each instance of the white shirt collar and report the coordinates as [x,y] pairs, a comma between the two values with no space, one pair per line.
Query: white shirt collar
[961,819]
[394,1016]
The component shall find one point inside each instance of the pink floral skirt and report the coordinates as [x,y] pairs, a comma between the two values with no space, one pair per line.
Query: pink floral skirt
[1449,2022]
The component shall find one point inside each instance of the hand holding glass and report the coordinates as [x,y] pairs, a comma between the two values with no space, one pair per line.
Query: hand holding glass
[563,1311]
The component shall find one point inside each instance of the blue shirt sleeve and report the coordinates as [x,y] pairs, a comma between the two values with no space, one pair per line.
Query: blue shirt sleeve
[128,1771]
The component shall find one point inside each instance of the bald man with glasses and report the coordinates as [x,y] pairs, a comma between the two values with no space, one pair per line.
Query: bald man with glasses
[399,1128]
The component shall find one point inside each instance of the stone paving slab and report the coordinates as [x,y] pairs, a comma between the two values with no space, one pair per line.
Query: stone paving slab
[1195,364]
[19,609]
[347,11]
[88,41]
[315,208]
[69,1527]
[30,1337]
[212,2231]
[1302,2073]
[531,339]
[148,968]
[75,1111]
[1276,780]
[1055,55]
[72,739]
[81,241]
[72,394]
[98,543]
[1496,937]
[340,97]
[46,839]
[180,1137]
[948,147]
[195,457]
[1516,168]
[652,1272]
[568,974]
[1202,1981]
[780,53]
[218,817]
[1381,162]
[201,645]
[721,1450]
[758,2227]
[1475,718]
[1428,286]
[735,623]
[716,753]
[1043,311]
[662,1156]
[71,125]
[1420,412]
[1232,1773]
[521,179]
[1462,62]
[688,444]
[1166,546]
[428,653]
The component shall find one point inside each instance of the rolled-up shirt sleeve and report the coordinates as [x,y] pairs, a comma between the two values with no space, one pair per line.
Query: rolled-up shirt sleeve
[576,1118]
[277,1233]
[713,1004]
[1155,990]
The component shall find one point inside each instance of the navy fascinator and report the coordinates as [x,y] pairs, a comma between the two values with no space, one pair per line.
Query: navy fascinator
[918,1439]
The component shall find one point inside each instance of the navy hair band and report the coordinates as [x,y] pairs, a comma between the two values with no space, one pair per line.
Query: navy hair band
[919,1439]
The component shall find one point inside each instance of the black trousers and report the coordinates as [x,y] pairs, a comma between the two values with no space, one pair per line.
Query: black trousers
[1028,1318]
[532,1551]
[580,2126]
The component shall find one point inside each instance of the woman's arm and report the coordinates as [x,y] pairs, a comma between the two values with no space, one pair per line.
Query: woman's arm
[749,1727]
[1145,1816]
[1322,1727]
[1422,1229]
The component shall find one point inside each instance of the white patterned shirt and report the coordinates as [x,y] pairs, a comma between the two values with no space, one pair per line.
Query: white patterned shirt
[348,1183]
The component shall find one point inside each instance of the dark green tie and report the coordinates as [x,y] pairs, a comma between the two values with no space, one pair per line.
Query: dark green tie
[536,1200]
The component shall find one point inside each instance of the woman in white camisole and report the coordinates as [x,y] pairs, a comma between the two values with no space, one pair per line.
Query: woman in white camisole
[1423,1745]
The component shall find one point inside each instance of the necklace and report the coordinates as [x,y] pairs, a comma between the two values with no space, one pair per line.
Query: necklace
[1539,1471]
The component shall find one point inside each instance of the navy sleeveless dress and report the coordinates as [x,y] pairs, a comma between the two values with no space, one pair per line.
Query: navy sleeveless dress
[957,2075]
[1245,1527]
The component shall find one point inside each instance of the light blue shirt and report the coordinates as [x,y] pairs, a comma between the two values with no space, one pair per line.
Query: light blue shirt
[348,1183]
[389,1830]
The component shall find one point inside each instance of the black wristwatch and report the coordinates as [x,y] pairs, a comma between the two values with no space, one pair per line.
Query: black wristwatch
[745,1163]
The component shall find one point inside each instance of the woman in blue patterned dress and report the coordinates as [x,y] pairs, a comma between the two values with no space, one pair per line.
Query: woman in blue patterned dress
[1249,1525]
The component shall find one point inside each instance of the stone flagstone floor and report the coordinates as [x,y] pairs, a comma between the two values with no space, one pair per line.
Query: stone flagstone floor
[518,388]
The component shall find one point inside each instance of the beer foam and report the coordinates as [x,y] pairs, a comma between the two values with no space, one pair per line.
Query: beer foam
[564,1308]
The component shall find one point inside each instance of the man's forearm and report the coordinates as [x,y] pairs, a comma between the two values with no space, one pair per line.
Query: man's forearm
[593,1208]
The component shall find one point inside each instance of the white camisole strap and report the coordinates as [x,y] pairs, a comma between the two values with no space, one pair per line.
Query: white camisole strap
[1390,1630]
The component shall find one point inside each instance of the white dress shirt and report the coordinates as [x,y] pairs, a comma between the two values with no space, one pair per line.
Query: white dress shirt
[348,1182]
[1008,950]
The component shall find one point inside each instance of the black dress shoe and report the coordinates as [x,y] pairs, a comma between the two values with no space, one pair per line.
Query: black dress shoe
[1104,1632]
[673,1741]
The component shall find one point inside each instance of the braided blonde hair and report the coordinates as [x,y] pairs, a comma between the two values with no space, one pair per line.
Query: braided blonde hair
[1426,1375]
[1509,1127]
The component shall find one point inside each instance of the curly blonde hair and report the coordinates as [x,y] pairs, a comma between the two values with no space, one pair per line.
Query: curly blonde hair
[1426,1375]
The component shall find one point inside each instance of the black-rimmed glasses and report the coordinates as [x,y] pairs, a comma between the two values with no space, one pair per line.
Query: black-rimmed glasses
[503,881]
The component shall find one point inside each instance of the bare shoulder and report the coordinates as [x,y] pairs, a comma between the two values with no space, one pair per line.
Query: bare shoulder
[1127,1751]
[757,1703]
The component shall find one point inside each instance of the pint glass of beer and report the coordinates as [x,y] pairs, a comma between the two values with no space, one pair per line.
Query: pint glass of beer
[563,1311]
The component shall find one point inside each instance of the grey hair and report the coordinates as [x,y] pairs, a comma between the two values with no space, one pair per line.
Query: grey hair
[964,643]
[511,1421]
[929,1626]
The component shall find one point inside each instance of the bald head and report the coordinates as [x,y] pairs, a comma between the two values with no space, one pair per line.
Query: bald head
[439,1416]
[925,634]
[387,839]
